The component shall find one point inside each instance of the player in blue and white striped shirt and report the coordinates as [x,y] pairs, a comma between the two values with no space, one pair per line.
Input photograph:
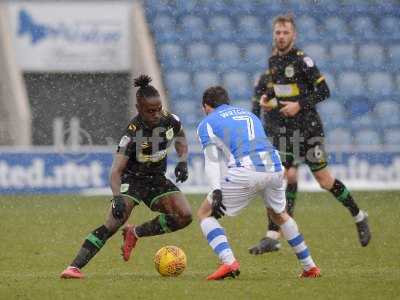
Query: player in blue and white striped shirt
[240,163]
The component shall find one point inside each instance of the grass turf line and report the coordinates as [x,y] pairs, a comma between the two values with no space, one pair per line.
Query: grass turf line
[40,236]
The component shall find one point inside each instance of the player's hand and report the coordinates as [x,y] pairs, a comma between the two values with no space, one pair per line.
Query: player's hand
[181,171]
[118,207]
[289,108]
[217,206]
[268,105]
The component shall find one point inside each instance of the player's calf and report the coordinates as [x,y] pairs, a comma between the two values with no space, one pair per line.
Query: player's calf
[93,243]
[343,195]
[295,239]
[163,223]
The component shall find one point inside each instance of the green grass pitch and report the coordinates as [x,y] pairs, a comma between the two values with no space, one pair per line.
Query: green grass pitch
[40,235]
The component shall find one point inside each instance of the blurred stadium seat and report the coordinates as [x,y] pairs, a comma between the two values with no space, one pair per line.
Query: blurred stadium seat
[256,56]
[164,28]
[336,30]
[366,120]
[392,137]
[249,29]
[308,27]
[203,80]
[200,56]
[178,84]
[171,56]
[339,137]
[343,56]
[318,53]
[388,114]
[363,28]
[192,28]
[380,84]
[238,85]
[227,56]
[367,137]
[357,106]
[389,28]
[221,29]
[371,57]
[332,113]
[356,46]
[394,57]
[350,84]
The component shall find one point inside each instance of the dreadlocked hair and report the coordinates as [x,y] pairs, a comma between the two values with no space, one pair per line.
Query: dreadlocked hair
[145,89]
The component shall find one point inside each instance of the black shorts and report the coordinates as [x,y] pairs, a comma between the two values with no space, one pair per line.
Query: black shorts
[301,146]
[148,189]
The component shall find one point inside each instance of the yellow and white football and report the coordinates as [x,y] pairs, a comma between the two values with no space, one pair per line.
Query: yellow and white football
[170,261]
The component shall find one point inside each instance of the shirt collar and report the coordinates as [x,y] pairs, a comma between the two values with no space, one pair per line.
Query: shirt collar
[221,107]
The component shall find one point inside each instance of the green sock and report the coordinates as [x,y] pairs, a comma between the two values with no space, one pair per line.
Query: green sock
[342,194]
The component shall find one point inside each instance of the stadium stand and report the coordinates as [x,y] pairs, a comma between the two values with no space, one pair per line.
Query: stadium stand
[355,44]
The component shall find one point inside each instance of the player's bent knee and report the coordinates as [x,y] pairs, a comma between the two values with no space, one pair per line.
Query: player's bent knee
[291,179]
[291,175]
[177,222]
[186,219]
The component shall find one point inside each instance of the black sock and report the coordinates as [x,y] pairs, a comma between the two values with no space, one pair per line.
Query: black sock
[93,243]
[272,226]
[159,225]
[342,194]
[291,194]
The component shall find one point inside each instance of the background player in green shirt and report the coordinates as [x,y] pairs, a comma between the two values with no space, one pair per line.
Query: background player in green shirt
[286,97]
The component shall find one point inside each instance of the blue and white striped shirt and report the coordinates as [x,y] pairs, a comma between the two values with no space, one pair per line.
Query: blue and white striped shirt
[241,137]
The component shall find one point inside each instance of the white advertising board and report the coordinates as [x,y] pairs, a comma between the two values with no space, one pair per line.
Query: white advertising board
[69,37]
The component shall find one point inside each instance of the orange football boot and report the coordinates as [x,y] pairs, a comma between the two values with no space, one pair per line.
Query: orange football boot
[129,242]
[72,273]
[226,270]
[314,272]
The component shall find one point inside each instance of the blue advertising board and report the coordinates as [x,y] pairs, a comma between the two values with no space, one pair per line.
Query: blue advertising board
[52,172]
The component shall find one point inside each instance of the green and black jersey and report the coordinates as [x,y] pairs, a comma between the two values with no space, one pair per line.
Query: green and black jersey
[146,147]
[294,77]
[291,77]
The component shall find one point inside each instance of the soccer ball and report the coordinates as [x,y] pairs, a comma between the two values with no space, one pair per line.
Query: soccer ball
[170,261]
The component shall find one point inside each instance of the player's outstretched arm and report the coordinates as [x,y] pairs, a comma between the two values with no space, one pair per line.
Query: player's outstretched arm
[182,149]
[213,174]
[119,163]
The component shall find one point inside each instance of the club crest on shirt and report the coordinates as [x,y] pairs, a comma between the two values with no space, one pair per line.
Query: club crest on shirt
[289,71]
[169,134]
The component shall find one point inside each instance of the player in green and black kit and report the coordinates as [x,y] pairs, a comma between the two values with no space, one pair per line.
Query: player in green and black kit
[287,95]
[138,175]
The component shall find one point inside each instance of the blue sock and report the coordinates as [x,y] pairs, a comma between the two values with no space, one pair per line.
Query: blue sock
[291,233]
[216,238]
